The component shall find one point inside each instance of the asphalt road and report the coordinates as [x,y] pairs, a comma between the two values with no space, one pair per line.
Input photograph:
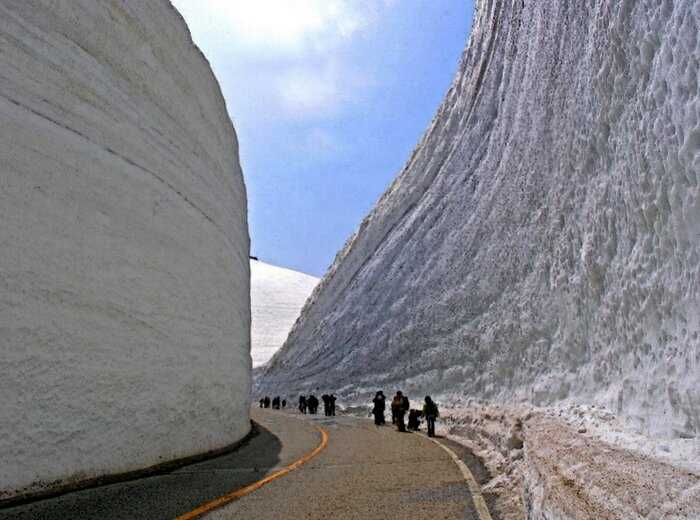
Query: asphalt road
[363,472]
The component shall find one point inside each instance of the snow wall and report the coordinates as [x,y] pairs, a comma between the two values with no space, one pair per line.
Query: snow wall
[542,242]
[277,296]
[124,276]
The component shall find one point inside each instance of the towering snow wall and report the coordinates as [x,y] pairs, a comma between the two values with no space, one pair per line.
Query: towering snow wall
[124,277]
[277,296]
[543,241]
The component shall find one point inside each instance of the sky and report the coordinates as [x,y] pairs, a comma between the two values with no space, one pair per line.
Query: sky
[328,98]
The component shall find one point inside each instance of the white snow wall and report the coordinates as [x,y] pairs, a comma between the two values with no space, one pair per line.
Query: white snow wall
[124,276]
[542,242]
[277,296]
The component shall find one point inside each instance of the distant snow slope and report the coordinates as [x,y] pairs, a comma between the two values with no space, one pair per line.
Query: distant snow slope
[124,276]
[543,241]
[276,298]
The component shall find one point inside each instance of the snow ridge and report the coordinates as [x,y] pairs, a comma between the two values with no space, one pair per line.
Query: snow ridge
[541,244]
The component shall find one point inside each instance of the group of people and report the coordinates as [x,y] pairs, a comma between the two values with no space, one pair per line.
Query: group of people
[311,403]
[277,403]
[400,405]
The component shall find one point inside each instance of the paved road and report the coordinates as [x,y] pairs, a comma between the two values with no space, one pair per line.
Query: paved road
[364,472]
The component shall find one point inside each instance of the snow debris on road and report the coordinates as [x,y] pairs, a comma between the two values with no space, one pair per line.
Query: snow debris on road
[563,463]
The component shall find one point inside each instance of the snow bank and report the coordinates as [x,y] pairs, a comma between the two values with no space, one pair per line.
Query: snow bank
[557,463]
[541,243]
[276,298]
[124,276]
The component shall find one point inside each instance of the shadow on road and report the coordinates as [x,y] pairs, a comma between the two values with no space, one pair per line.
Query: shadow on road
[165,495]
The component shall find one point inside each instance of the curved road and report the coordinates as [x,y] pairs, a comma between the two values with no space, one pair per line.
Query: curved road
[363,472]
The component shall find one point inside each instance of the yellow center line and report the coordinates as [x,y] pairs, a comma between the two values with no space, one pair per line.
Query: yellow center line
[235,495]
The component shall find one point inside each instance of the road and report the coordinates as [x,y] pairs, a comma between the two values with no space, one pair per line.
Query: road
[362,472]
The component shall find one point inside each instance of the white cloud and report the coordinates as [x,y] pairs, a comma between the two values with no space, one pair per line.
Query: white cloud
[323,90]
[285,25]
[320,142]
[291,55]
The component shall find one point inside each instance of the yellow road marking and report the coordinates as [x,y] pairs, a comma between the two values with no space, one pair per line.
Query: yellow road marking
[479,502]
[235,495]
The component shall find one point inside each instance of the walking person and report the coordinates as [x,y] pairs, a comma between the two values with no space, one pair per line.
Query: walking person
[312,403]
[331,404]
[379,402]
[430,412]
[399,409]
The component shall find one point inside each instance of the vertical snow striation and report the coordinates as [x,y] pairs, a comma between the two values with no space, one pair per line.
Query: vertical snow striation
[124,275]
[543,241]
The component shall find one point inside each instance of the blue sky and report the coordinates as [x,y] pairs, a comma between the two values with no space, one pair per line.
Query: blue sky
[328,98]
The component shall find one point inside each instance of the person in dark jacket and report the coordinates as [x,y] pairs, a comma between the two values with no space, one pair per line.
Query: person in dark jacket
[302,403]
[284,403]
[331,404]
[430,412]
[379,402]
[312,403]
[399,408]
[262,403]
[267,402]
[326,405]
[414,420]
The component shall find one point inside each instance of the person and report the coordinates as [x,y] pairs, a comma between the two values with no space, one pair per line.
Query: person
[326,405]
[284,404]
[398,409]
[312,402]
[276,403]
[302,404]
[430,412]
[379,407]
[262,403]
[331,401]
[267,402]
[413,420]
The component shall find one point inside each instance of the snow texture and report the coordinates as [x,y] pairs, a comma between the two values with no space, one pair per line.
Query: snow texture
[542,243]
[124,275]
[561,463]
[276,298]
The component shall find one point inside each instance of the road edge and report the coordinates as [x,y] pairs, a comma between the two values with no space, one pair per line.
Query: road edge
[160,468]
[474,488]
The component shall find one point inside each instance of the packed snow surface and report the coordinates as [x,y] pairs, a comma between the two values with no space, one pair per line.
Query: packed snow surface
[542,243]
[124,275]
[276,298]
